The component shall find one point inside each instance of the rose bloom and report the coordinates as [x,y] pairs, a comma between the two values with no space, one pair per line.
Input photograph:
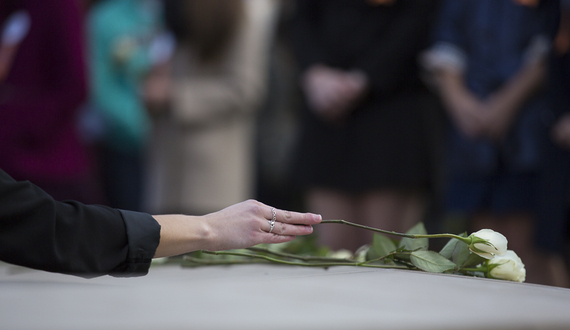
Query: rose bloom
[360,254]
[497,244]
[507,267]
[340,254]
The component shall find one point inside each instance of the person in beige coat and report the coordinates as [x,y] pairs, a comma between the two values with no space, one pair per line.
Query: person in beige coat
[203,158]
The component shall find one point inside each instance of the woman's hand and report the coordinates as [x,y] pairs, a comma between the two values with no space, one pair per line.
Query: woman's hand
[502,108]
[157,88]
[7,55]
[332,93]
[561,132]
[238,226]
[464,108]
[15,29]
[248,223]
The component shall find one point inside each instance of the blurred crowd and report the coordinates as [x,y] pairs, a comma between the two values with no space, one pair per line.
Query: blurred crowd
[381,112]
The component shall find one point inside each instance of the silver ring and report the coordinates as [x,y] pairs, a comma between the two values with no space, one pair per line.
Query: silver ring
[273,219]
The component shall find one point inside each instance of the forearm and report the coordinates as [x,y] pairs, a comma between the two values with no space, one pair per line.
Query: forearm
[463,106]
[7,54]
[181,234]
[518,89]
[453,92]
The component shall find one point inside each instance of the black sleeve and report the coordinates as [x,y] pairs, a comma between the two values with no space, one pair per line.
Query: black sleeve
[69,237]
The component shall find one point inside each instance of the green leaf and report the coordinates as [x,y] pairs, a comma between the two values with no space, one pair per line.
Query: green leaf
[304,245]
[402,255]
[381,246]
[473,260]
[413,244]
[431,261]
[460,254]
[447,250]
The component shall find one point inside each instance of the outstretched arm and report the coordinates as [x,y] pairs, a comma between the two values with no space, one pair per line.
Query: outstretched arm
[238,226]
[39,232]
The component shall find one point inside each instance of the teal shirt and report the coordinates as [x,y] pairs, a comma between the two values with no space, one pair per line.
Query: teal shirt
[120,33]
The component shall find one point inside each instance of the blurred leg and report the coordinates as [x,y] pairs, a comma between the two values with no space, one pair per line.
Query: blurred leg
[560,276]
[391,210]
[414,211]
[334,205]
[542,267]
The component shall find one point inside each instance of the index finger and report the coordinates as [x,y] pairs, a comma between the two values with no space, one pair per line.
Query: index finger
[296,218]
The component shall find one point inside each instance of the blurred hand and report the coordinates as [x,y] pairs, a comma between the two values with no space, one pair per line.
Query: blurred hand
[15,29]
[561,131]
[497,118]
[490,118]
[381,2]
[528,3]
[7,53]
[493,116]
[157,87]
[463,107]
[333,93]
[501,108]
[468,116]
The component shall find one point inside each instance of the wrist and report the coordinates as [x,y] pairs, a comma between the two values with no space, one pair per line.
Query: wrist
[181,234]
[203,233]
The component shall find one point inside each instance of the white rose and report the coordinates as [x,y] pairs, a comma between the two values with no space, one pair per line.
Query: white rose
[488,243]
[507,267]
[340,254]
[360,254]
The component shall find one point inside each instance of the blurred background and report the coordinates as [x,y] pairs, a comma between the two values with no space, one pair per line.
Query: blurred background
[380,112]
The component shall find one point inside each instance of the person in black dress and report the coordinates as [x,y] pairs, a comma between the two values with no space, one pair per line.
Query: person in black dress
[367,143]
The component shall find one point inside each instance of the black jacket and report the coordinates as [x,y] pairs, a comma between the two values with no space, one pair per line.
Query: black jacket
[69,237]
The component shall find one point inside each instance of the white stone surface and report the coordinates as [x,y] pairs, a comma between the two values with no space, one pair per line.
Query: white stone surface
[275,297]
